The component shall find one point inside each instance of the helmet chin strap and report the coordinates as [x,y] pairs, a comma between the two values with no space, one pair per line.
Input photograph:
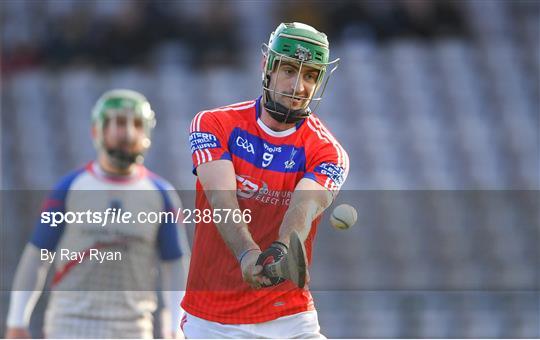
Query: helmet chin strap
[122,159]
[283,114]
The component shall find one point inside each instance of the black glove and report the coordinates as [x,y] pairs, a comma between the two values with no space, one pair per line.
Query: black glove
[274,253]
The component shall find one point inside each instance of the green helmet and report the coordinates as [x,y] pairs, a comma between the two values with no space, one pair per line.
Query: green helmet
[299,43]
[128,103]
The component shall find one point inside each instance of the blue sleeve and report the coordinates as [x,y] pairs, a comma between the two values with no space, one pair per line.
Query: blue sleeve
[169,248]
[167,237]
[44,235]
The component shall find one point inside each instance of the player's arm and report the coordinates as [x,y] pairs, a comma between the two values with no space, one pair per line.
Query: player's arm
[326,172]
[325,175]
[31,273]
[175,256]
[28,284]
[218,179]
[174,272]
[308,201]
[174,277]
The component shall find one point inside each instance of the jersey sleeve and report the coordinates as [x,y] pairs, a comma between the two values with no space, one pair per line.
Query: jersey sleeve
[208,139]
[329,166]
[168,242]
[47,233]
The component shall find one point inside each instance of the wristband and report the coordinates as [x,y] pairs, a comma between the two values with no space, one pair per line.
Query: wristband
[244,254]
[283,245]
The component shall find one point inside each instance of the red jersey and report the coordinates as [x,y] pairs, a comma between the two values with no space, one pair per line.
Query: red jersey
[268,166]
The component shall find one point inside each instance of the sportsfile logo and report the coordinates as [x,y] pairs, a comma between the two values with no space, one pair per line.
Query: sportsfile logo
[118,219]
[203,140]
[335,172]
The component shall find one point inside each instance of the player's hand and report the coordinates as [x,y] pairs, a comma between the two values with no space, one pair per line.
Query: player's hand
[274,253]
[253,273]
[17,333]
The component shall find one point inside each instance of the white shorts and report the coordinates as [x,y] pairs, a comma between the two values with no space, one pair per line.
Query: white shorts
[303,325]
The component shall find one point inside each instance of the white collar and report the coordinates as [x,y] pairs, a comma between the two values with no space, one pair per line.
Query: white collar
[271,132]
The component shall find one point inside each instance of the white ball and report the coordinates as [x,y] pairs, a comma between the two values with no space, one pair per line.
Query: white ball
[343,217]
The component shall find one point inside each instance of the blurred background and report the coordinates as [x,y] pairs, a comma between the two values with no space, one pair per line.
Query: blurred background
[437,103]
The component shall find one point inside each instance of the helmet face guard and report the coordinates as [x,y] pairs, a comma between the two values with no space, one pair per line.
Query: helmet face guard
[304,47]
[130,106]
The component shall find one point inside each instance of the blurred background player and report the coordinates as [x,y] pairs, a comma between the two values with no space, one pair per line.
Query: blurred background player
[287,167]
[113,299]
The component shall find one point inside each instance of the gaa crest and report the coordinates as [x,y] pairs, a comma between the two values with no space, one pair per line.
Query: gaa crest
[302,53]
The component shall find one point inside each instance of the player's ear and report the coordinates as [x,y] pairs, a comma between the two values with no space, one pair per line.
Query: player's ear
[93,132]
[263,61]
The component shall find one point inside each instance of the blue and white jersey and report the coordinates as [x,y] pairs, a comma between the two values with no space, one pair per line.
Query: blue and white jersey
[105,274]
